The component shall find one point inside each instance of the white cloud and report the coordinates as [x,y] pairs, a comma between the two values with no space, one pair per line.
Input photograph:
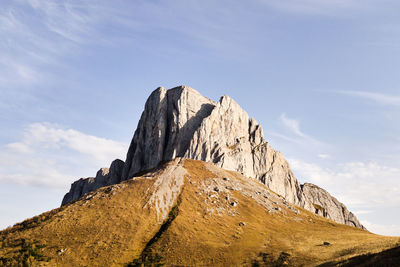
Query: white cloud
[292,124]
[382,229]
[383,99]
[53,136]
[355,182]
[50,155]
[284,137]
[364,187]
[298,136]
[310,172]
[324,156]
[19,148]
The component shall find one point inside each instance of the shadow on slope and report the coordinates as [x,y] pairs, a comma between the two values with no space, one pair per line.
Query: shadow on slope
[386,258]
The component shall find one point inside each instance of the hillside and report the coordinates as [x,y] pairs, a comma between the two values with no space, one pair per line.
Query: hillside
[185,212]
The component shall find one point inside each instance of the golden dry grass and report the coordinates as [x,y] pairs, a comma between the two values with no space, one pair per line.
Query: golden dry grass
[113,229]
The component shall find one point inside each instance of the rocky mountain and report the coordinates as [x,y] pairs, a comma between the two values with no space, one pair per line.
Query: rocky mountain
[180,122]
[187,213]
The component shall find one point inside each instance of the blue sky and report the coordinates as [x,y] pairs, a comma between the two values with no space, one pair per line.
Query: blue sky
[320,76]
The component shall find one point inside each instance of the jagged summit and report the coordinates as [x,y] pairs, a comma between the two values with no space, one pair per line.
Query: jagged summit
[165,128]
[180,122]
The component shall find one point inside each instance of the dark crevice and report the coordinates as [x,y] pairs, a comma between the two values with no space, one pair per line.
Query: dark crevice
[167,130]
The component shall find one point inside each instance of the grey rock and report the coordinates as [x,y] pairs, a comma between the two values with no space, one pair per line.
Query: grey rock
[233,141]
[180,122]
[165,128]
[322,203]
[104,177]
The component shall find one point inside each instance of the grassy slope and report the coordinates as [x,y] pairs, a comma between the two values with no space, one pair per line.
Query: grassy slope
[109,229]
[112,228]
[265,239]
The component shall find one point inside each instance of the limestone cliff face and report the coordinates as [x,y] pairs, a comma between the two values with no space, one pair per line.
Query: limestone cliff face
[104,177]
[180,122]
[233,141]
[165,128]
[327,206]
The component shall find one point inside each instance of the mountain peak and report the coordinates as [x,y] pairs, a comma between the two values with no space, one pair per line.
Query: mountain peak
[180,122]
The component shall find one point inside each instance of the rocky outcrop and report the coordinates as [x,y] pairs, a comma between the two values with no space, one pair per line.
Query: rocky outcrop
[104,177]
[166,188]
[180,122]
[327,206]
[233,141]
[165,128]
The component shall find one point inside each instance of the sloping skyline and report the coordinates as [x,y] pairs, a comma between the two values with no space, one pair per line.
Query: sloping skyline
[320,77]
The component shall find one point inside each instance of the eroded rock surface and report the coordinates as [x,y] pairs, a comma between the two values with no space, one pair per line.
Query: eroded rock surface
[165,128]
[233,141]
[328,206]
[104,177]
[166,189]
[180,122]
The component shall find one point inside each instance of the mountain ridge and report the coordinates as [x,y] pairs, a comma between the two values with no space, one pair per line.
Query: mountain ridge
[180,122]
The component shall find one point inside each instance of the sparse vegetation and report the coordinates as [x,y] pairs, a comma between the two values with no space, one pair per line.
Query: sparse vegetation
[25,253]
[149,257]
[112,229]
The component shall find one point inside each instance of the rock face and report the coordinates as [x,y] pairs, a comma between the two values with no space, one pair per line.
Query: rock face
[104,177]
[327,206]
[233,141]
[165,128]
[180,122]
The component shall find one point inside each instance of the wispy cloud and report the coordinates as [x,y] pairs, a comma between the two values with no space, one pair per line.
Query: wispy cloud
[50,155]
[38,34]
[292,124]
[384,99]
[296,134]
[327,7]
